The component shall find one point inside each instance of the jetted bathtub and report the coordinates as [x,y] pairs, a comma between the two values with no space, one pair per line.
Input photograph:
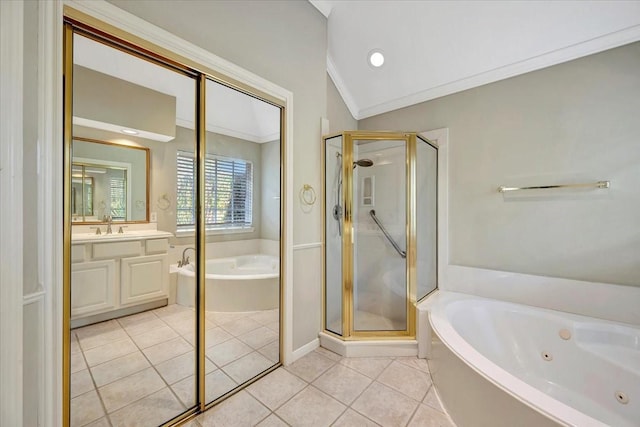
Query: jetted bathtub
[242,283]
[501,364]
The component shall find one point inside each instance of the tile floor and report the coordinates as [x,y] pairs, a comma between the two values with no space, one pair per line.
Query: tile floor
[138,369]
[324,389]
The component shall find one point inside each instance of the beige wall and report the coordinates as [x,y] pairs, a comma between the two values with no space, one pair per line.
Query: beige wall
[103,98]
[286,43]
[340,119]
[574,122]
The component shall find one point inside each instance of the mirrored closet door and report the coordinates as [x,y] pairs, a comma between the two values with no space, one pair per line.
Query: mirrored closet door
[172,239]
[242,221]
[132,345]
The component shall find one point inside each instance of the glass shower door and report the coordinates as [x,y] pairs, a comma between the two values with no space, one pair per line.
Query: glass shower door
[334,206]
[379,220]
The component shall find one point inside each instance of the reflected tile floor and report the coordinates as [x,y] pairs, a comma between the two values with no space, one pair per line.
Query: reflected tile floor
[138,370]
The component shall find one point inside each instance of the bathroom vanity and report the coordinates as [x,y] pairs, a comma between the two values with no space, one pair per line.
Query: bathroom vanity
[117,274]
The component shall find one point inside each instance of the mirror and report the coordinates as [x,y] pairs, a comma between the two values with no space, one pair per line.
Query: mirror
[109,179]
[81,193]
[133,314]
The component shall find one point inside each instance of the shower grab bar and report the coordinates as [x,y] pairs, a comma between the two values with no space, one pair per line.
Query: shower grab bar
[402,253]
[599,184]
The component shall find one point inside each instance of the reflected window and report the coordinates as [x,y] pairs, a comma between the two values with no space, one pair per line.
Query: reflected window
[118,198]
[228,192]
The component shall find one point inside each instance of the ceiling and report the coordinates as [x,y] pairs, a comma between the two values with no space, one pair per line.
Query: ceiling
[435,48]
[228,111]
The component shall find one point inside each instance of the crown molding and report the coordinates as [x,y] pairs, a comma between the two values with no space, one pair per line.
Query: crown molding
[322,6]
[258,139]
[342,88]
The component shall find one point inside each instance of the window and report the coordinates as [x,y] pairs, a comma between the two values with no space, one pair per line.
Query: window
[118,197]
[228,192]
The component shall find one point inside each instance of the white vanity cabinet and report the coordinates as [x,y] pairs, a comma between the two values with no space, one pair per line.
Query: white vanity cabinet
[144,278]
[94,286]
[118,274]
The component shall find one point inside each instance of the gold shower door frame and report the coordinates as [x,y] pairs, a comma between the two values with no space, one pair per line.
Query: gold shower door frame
[348,330]
[79,22]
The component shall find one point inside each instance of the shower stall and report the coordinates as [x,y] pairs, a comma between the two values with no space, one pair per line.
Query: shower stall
[380,196]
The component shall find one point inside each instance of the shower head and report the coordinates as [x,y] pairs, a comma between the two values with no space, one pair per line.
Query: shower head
[365,163]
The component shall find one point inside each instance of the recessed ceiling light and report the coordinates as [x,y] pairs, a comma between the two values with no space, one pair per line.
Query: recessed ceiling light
[129,132]
[376,58]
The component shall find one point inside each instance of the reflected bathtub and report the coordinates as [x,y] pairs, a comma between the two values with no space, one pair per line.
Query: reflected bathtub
[242,283]
[501,364]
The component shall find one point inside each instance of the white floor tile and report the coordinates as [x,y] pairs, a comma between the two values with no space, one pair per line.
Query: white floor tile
[342,383]
[310,366]
[153,410]
[85,409]
[385,406]
[276,388]
[167,350]
[239,410]
[121,393]
[110,351]
[411,382]
[121,367]
[311,407]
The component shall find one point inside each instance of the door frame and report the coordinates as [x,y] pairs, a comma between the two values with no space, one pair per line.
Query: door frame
[50,120]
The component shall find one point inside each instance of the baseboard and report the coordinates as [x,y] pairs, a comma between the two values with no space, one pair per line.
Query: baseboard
[369,348]
[84,321]
[305,349]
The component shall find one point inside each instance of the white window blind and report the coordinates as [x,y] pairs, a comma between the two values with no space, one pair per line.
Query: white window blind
[228,192]
[118,197]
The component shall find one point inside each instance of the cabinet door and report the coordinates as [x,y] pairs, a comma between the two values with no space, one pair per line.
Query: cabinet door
[92,287]
[144,278]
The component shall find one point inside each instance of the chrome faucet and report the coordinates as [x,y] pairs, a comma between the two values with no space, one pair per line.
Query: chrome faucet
[108,220]
[185,261]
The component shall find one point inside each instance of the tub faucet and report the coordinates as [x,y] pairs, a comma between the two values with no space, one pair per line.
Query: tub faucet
[185,261]
[108,220]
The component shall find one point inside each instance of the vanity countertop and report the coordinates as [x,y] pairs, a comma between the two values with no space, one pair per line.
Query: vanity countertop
[81,238]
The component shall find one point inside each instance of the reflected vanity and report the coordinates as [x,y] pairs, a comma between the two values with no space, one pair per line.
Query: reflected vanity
[113,272]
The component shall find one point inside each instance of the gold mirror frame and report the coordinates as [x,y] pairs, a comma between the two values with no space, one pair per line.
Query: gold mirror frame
[147,152]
